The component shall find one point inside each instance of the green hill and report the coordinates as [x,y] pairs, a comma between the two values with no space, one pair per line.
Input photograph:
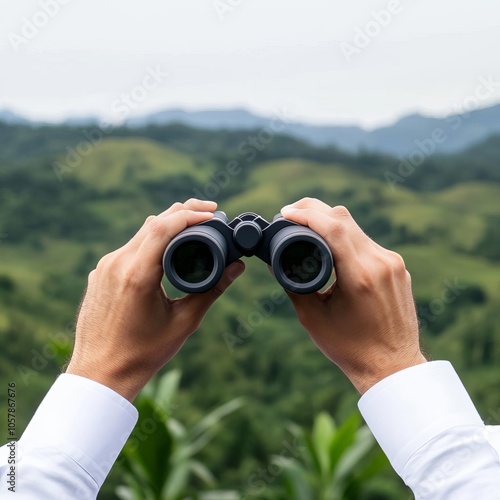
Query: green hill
[56,230]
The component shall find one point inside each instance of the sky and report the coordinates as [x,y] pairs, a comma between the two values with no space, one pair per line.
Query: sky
[324,61]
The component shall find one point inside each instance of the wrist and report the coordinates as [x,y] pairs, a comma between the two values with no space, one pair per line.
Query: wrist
[122,381]
[365,378]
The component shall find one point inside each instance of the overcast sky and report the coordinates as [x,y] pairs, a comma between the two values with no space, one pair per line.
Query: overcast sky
[264,55]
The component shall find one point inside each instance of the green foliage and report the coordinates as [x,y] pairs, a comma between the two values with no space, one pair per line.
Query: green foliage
[443,219]
[7,285]
[160,457]
[336,463]
[159,460]
[489,245]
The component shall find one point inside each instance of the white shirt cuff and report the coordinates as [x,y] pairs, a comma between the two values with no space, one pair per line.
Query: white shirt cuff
[409,408]
[86,420]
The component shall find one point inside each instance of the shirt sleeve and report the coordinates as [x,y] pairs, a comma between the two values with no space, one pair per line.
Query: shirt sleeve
[70,444]
[428,427]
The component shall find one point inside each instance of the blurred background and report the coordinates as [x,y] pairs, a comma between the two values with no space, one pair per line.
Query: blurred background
[111,111]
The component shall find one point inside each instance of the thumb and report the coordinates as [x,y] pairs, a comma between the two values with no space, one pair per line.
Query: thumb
[201,302]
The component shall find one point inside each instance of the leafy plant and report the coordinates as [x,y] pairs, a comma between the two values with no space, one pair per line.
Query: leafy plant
[159,460]
[335,462]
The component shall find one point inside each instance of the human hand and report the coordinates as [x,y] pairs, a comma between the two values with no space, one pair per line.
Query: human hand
[366,321]
[127,327]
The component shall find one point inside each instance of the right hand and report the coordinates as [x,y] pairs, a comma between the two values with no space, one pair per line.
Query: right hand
[366,321]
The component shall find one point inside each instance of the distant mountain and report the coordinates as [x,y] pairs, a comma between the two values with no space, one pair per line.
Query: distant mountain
[81,121]
[406,136]
[451,134]
[238,118]
[415,132]
[346,137]
[11,118]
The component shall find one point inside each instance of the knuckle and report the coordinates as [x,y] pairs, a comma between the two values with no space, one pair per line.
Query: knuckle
[156,227]
[103,262]
[365,283]
[398,263]
[340,211]
[385,271]
[408,276]
[391,265]
[178,205]
[382,267]
[106,261]
[131,278]
[308,200]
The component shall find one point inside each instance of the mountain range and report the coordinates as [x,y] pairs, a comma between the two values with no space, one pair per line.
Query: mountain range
[409,134]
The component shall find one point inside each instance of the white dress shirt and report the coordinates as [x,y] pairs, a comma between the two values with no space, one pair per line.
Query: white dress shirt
[71,443]
[422,417]
[428,427]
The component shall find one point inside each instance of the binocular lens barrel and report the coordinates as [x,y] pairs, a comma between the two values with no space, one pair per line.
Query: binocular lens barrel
[301,260]
[195,259]
[297,252]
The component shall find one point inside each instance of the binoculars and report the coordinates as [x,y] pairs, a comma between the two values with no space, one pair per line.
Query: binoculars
[196,258]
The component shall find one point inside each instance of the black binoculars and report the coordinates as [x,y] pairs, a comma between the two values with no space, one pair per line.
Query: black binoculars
[196,258]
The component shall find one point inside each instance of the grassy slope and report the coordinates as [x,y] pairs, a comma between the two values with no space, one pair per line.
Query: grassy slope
[119,163]
[456,215]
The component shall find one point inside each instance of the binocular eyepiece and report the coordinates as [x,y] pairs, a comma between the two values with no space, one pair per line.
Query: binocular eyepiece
[196,258]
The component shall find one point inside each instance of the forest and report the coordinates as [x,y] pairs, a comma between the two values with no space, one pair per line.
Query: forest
[248,409]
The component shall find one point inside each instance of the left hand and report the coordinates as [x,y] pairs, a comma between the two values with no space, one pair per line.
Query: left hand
[127,327]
